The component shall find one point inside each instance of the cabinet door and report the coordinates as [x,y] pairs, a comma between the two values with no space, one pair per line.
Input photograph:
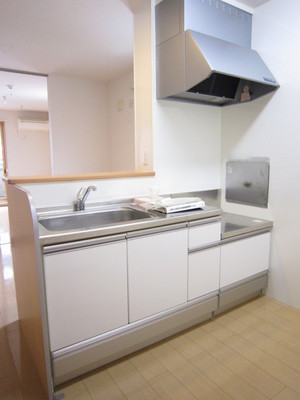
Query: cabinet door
[86,292]
[204,272]
[157,273]
[243,258]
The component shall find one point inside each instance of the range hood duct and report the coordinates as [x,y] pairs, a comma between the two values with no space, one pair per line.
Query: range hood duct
[197,67]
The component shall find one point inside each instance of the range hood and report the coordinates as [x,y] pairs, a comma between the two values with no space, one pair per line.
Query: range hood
[200,67]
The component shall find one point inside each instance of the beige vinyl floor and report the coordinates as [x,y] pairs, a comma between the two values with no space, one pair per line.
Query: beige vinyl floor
[249,353]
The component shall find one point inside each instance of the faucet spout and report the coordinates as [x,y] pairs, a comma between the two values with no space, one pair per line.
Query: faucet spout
[82,196]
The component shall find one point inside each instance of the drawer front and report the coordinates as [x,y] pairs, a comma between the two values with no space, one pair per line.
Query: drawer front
[157,273]
[204,272]
[203,235]
[244,258]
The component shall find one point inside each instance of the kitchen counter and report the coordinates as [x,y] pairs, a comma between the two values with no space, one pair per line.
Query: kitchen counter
[98,345]
[235,225]
[232,224]
[158,220]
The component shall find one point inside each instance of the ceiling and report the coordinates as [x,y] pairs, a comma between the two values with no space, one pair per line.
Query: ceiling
[85,38]
[23,92]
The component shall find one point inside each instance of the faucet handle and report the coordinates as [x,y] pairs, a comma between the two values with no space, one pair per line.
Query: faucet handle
[81,193]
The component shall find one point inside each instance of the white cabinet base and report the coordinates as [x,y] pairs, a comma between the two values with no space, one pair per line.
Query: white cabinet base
[74,361]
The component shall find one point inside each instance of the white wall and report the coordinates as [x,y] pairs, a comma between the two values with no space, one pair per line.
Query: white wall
[186,153]
[121,133]
[92,124]
[186,144]
[28,153]
[78,125]
[271,127]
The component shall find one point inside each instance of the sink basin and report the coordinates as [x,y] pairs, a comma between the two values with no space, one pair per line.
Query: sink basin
[93,219]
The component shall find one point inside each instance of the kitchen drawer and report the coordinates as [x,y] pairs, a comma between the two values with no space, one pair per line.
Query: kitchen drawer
[204,272]
[244,258]
[204,235]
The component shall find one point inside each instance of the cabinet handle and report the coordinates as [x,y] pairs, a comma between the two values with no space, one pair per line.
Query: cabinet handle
[204,221]
[82,243]
[204,247]
[245,235]
[146,232]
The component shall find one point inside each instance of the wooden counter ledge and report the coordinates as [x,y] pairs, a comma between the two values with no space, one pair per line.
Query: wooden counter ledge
[61,178]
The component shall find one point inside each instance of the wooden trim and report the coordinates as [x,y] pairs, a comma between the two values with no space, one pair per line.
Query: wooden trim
[66,178]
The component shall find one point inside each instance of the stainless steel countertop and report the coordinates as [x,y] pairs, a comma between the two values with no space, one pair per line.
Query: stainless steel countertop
[235,225]
[232,225]
[158,220]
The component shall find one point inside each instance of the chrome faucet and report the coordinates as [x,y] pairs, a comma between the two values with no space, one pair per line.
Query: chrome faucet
[82,196]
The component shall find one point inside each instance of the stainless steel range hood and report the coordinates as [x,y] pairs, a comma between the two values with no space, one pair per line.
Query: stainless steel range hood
[198,67]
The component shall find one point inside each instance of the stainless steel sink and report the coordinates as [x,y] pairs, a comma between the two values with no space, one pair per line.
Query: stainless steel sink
[94,219]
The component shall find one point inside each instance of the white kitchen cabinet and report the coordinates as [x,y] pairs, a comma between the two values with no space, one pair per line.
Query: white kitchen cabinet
[86,292]
[244,258]
[157,272]
[204,259]
[204,272]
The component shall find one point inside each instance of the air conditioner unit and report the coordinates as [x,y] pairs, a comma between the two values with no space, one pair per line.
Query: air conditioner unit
[33,126]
